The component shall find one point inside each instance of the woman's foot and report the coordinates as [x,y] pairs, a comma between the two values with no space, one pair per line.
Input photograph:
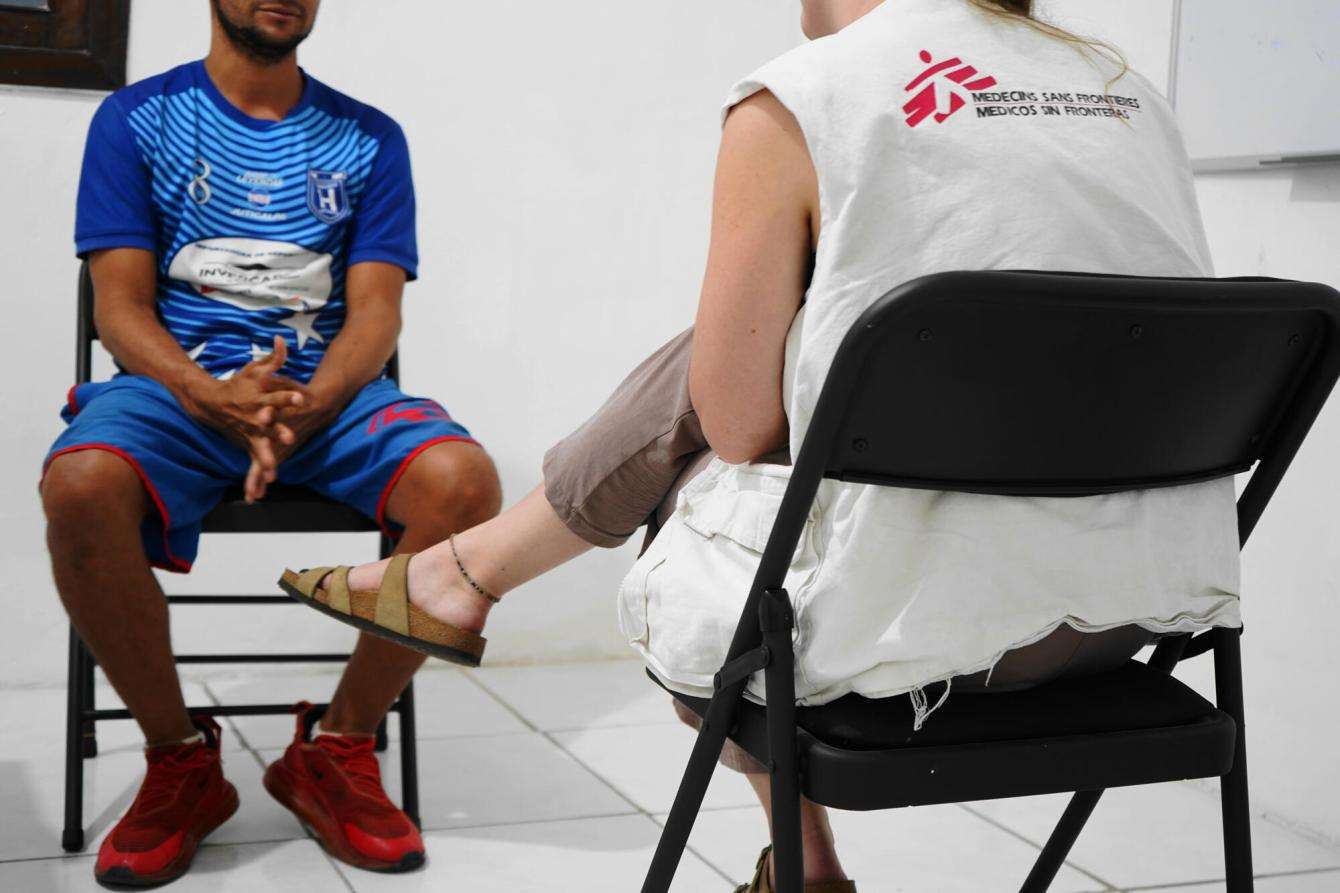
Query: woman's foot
[822,865]
[436,585]
[499,555]
[765,878]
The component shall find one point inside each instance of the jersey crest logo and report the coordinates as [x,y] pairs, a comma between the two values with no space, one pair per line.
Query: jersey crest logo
[327,195]
[941,89]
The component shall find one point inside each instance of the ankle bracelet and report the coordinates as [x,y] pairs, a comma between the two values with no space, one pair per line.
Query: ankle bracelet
[466,574]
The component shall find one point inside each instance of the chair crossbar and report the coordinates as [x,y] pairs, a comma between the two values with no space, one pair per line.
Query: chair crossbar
[224,710]
[742,667]
[1202,644]
[261,658]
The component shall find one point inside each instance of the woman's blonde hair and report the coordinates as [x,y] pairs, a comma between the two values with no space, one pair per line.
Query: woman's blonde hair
[1022,11]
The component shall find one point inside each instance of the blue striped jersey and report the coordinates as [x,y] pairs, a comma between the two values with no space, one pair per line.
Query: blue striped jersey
[254,223]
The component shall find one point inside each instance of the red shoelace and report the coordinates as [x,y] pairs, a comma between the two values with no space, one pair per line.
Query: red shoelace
[162,782]
[358,760]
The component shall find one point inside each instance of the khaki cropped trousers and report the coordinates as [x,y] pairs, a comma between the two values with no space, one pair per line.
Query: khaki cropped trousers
[623,468]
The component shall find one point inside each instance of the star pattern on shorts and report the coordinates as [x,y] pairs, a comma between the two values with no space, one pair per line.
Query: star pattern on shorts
[305,325]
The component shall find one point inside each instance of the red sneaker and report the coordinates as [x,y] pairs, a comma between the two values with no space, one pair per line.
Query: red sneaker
[334,786]
[184,797]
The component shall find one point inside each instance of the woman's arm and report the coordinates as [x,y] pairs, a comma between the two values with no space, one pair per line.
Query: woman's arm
[764,228]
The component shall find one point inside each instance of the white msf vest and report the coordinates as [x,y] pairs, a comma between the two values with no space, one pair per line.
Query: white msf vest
[945,138]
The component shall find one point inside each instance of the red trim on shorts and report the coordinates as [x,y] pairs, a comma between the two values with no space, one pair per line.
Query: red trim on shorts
[70,401]
[404,466]
[176,565]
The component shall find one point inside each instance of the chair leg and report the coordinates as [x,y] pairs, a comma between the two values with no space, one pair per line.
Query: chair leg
[1082,804]
[89,743]
[1063,838]
[788,854]
[382,738]
[409,745]
[72,836]
[409,757]
[1233,786]
[697,775]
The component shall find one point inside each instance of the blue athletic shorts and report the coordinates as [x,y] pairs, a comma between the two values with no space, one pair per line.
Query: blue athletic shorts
[186,467]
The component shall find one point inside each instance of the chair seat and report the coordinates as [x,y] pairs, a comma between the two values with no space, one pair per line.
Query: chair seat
[285,509]
[1130,698]
[1134,725]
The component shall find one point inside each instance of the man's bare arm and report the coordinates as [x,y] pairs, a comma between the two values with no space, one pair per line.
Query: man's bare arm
[243,408]
[764,225]
[357,355]
[126,284]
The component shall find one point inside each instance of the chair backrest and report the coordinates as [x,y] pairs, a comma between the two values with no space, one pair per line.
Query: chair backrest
[1053,384]
[87,333]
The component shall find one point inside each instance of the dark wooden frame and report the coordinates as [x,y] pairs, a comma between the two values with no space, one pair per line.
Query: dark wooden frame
[74,44]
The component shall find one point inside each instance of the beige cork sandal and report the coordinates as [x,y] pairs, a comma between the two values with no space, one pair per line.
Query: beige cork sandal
[762,882]
[386,613]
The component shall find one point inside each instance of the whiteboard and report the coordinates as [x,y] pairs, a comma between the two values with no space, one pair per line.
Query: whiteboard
[1256,83]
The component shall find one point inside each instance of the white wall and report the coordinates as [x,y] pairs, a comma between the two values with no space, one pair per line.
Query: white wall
[564,173]
[563,154]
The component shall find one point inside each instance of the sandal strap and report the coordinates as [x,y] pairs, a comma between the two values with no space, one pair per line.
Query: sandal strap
[762,883]
[310,580]
[337,590]
[393,596]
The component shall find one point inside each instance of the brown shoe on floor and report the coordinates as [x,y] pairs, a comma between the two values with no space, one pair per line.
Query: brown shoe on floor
[762,882]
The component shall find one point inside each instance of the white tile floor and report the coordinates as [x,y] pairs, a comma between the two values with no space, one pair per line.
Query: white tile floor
[556,778]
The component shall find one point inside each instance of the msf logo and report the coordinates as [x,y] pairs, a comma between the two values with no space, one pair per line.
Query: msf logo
[941,89]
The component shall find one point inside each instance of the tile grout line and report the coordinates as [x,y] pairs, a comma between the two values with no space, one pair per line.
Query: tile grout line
[489,826]
[304,832]
[339,871]
[1305,872]
[75,857]
[541,732]
[672,724]
[594,774]
[1209,788]
[232,726]
[394,740]
[485,826]
[1008,830]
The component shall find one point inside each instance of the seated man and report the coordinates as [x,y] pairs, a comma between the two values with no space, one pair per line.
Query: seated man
[250,233]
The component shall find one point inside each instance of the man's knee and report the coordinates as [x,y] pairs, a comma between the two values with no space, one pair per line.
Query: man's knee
[451,484]
[88,487]
[465,475]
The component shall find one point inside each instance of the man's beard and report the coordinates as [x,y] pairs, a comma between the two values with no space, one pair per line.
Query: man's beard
[253,43]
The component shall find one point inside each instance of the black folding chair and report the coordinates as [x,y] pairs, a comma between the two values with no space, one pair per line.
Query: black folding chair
[284,510]
[1027,384]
